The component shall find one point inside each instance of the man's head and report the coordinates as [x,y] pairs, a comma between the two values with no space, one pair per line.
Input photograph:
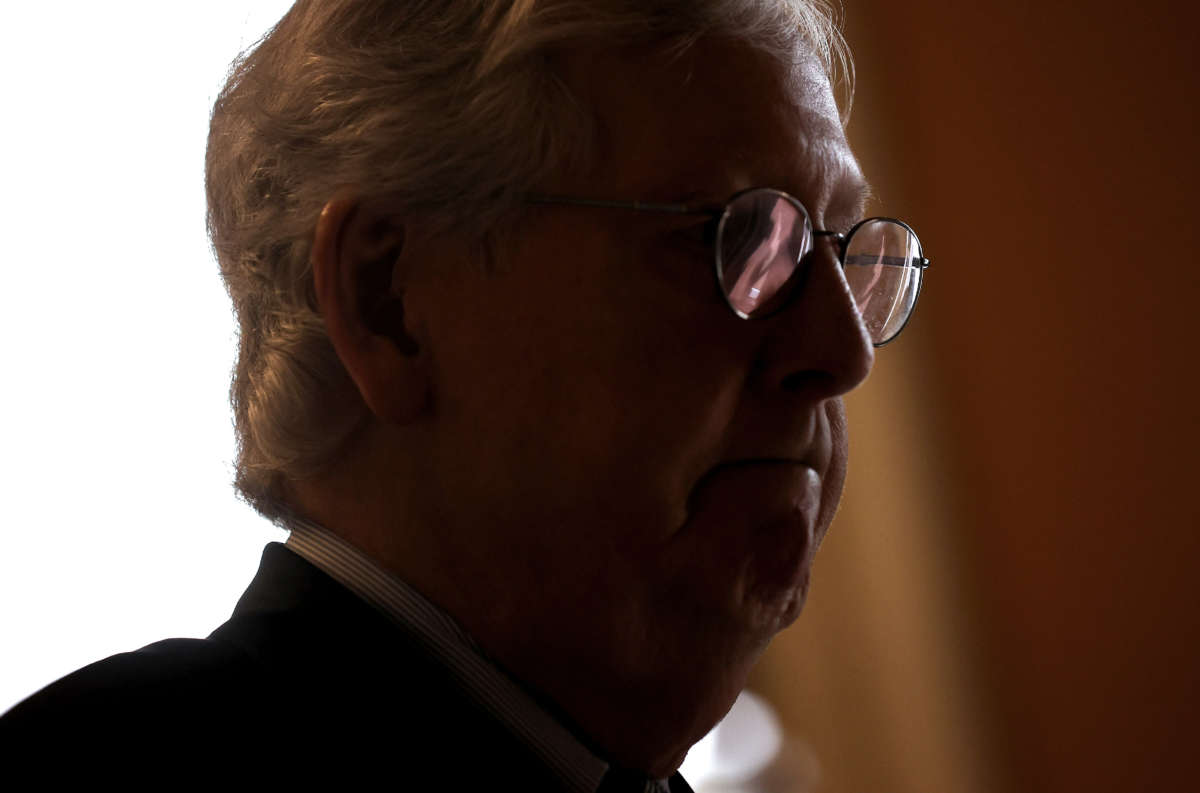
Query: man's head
[543,415]
[453,109]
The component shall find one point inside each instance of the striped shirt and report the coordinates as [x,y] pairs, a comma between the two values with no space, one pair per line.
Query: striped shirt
[578,768]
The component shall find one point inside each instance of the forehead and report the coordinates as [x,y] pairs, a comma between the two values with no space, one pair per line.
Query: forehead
[719,118]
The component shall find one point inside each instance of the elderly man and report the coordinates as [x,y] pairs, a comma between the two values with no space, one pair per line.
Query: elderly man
[546,309]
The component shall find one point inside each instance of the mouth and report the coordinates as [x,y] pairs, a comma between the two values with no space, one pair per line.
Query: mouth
[788,467]
[769,507]
[753,527]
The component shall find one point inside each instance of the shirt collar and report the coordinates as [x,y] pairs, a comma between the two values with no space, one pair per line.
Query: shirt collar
[580,769]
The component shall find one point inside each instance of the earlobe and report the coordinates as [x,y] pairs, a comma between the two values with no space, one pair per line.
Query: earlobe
[358,280]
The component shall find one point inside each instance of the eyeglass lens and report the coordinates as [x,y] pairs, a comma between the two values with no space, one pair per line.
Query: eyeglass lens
[882,266]
[764,235]
[761,240]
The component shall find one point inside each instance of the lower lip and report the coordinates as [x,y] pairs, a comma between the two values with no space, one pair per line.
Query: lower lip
[784,564]
[771,489]
[775,507]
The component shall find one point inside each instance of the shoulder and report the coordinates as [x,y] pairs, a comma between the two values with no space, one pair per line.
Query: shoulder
[303,675]
[171,681]
[211,709]
[175,703]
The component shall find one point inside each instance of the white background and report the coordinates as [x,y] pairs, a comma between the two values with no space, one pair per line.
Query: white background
[120,526]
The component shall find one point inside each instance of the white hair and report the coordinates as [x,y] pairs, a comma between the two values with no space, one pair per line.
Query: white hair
[449,108]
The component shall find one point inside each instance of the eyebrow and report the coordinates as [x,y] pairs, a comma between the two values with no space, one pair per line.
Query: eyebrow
[864,193]
[849,201]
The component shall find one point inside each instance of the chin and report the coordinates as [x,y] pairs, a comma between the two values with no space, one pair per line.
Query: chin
[778,581]
[793,605]
[781,609]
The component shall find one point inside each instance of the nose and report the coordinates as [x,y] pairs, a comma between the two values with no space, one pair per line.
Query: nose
[818,347]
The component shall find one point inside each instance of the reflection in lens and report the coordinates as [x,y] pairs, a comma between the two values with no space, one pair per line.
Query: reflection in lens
[761,239]
[882,265]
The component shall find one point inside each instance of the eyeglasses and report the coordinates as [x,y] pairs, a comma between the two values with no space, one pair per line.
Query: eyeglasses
[760,239]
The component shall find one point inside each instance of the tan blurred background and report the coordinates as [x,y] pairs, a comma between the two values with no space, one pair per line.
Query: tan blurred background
[1008,598]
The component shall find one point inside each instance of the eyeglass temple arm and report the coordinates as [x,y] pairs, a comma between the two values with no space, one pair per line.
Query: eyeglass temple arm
[637,206]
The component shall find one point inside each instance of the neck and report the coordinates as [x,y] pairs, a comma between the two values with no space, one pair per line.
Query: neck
[638,689]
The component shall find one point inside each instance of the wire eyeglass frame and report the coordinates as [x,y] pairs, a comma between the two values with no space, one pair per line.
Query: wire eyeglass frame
[717,213]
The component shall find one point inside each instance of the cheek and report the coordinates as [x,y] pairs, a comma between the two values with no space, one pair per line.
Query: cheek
[678,276]
[630,425]
[587,391]
[621,432]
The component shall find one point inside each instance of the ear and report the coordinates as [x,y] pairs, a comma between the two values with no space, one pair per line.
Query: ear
[359,281]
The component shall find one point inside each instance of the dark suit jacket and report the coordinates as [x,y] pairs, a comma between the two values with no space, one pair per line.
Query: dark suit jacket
[304,684]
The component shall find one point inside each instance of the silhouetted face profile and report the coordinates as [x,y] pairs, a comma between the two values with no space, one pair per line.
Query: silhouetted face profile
[614,481]
[661,470]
